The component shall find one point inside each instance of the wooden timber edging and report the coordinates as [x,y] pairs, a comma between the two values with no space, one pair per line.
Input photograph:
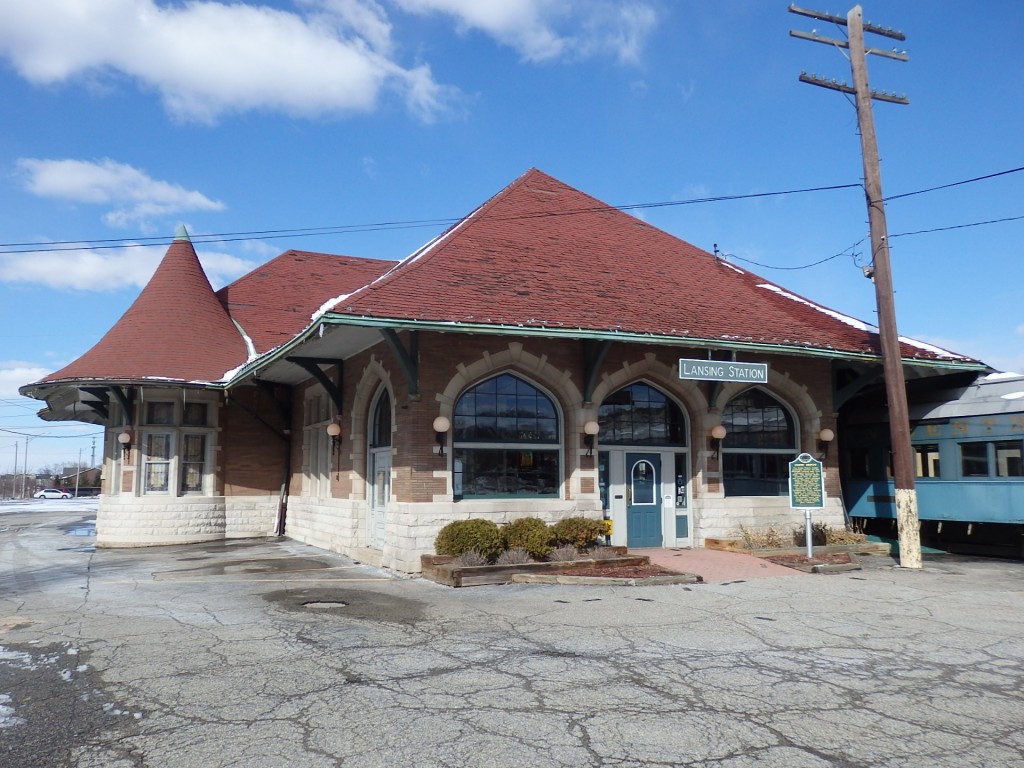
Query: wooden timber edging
[444,570]
[736,545]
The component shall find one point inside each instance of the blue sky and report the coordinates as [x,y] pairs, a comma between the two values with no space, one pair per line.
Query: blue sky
[122,119]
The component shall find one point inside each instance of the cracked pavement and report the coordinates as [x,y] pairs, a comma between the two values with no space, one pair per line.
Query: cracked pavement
[272,653]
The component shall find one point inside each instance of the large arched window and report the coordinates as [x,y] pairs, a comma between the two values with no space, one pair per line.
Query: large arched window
[641,415]
[759,444]
[506,440]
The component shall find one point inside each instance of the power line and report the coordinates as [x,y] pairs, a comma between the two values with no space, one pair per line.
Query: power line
[274,234]
[956,183]
[957,226]
[844,252]
[48,437]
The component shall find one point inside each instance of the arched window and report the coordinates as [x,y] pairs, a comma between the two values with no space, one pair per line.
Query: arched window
[641,415]
[759,444]
[506,440]
[380,426]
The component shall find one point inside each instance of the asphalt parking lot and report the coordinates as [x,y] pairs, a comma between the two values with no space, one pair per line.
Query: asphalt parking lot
[271,653]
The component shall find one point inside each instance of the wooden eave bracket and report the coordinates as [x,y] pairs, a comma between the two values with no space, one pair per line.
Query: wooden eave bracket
[126,398]
[311,365]
[283,409]
[594,353]
[408,359]
[282,434]
[842,395]
[102,408]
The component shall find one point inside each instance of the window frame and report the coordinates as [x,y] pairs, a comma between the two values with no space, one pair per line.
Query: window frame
[163,415]
[787,454]
[463,448]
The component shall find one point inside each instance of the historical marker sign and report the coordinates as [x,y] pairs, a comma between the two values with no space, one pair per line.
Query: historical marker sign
[806,483]
[723,370]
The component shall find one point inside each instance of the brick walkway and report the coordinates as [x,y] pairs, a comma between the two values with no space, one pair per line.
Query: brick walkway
[715,565]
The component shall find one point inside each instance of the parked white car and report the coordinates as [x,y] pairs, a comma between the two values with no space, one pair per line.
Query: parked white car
[51,493]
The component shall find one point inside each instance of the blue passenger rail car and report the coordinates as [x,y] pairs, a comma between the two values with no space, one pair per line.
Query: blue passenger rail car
[968,445]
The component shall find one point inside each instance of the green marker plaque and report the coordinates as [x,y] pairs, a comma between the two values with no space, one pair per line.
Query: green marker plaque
[806,483]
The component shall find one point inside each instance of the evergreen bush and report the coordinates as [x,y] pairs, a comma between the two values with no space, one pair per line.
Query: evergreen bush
[474,535]
[529,533]
[578,531]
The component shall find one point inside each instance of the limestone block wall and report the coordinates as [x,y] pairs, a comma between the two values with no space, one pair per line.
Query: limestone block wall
[721,517]
[326,523]
[410,529]
[250,516]
[131,521]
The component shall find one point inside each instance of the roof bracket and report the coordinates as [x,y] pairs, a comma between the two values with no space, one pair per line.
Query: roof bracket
[126,399]
[101,405]
[843,394]
[594,354]
[714,390]
[282,434]
[283,408]
[408,359]
[311,365]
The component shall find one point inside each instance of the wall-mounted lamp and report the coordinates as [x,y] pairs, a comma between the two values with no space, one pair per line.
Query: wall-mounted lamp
[125,439]
[334,430]
[825,437]
[718,433]
[441,426]
[590,430]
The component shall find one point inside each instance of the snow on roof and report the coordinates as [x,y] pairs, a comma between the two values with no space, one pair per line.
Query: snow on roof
[860,325]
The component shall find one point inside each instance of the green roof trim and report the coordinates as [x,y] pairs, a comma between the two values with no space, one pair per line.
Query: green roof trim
[582,333]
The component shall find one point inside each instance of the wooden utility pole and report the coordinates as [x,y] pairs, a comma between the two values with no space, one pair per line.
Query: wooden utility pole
[892,359]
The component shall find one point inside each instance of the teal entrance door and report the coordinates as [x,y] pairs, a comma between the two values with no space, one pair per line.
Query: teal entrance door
[643,500]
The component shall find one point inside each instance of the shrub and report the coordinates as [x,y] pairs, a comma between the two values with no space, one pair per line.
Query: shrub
[514,556]
[477,535]
[602,553]
[471,558]
[529,533]
[564,553]
[822,534]
[769,538]
[578,531]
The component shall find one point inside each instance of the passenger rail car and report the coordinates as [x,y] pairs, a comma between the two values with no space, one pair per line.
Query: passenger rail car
[968,446]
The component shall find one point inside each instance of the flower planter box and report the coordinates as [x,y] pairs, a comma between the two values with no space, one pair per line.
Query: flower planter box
[444,570]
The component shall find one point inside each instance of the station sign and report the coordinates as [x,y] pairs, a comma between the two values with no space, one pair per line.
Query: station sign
[723,370]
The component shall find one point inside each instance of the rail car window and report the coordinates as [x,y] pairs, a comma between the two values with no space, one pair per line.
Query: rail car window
[926,460]
[974,459]
[1008,459]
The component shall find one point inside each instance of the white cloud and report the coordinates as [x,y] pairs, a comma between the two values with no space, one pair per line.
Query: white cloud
[222,268]
[542,30]
[206,58]
[135,196]
[120,268]
[1020,330]
[16,373]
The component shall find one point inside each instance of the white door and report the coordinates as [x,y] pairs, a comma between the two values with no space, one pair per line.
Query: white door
[380,494]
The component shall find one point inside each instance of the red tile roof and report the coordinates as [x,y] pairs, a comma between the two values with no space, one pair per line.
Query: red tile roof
[176,329]
[542,254]
[274,302]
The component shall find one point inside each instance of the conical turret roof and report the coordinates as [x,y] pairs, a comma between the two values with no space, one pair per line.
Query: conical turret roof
[176,329]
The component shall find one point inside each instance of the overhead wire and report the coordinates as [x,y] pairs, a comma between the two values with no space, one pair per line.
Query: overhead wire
[273,234]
